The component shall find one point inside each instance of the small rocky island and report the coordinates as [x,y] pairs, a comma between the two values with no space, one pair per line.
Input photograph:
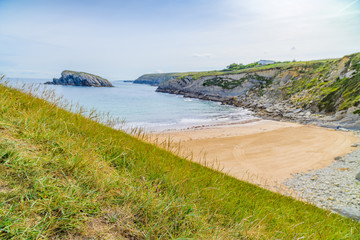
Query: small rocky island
[80,79]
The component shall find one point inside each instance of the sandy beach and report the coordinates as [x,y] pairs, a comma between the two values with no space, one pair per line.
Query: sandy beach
[263,152]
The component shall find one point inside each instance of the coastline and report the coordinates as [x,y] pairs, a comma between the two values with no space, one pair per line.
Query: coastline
[263,152]
[345,119]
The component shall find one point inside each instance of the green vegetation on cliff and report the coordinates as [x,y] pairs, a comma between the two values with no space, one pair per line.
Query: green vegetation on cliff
[326,86]
[280,66]
[223,83]
[317,84]
[65,176]
[235,66]
[231,84]
[157,78]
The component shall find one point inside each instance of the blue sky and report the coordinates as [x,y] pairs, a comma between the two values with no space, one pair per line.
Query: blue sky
[124,39]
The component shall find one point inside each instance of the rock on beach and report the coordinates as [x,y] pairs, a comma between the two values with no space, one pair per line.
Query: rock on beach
[335,187]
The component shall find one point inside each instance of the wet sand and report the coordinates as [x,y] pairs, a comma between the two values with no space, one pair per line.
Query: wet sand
[263,152]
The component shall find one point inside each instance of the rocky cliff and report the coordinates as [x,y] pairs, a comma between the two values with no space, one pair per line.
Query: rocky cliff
[156,78]
[80,79]
[325,92]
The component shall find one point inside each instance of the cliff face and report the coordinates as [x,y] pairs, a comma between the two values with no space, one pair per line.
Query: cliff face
[80,79]
[156,79]
[316,91]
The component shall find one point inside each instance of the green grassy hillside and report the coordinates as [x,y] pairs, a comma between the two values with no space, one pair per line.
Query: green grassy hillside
[321,87]
[279,65]
[65,176]
[325,85]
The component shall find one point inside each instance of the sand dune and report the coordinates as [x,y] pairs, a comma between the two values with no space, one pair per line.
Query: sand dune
[264,152]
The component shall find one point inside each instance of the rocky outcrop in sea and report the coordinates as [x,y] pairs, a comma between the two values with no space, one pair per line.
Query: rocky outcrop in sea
[80,79]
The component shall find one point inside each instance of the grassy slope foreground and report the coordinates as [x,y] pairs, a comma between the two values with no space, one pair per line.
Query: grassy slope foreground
[65,176]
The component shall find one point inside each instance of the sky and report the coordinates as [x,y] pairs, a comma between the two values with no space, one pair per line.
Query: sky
[121,40]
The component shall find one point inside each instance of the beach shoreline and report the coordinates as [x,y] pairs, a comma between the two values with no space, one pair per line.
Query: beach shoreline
[262,152]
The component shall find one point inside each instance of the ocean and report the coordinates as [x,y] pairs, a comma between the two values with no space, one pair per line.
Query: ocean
[140,106]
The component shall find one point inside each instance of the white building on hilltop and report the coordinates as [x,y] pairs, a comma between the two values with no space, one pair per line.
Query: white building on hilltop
[265,62]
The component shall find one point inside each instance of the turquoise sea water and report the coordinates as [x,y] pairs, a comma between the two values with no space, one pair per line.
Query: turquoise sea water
[140,106]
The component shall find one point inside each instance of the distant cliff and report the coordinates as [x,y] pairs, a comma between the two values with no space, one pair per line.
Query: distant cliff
[80,79]
[156,78]
[324,91]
